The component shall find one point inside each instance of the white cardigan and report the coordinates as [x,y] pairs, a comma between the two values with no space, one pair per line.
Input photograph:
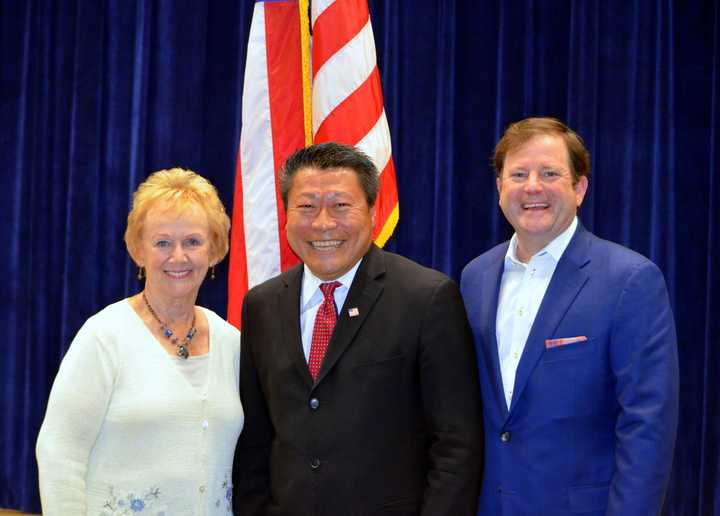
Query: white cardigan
[125,433]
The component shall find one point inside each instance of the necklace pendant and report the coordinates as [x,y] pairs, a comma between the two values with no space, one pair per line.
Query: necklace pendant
[182,350]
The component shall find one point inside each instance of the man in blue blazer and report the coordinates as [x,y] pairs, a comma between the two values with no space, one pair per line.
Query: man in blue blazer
[576,347]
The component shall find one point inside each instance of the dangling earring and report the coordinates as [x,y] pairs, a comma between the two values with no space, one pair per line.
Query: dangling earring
[140,273]
[212,272]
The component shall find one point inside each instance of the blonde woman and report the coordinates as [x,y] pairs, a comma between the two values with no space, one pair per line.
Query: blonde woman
[144,413]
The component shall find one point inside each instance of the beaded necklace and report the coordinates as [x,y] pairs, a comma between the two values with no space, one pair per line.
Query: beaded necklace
[182,347]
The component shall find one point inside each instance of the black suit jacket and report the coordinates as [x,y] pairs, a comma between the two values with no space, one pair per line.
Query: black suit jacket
[393,424]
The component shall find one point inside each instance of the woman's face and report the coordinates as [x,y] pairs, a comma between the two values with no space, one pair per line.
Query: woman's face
[175,250]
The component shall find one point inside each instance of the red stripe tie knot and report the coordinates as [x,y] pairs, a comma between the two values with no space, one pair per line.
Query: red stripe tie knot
[323,328]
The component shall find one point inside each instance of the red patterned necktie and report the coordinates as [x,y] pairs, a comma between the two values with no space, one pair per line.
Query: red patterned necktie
[323,329]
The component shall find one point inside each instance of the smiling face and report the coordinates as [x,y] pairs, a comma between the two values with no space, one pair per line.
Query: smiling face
[175,251]
[537,194]
[329,222]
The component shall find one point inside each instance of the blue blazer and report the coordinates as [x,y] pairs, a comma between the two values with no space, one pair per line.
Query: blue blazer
[591,427]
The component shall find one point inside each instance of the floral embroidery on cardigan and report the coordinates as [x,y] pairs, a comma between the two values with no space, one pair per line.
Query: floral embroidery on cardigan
[226,491]
[130,504]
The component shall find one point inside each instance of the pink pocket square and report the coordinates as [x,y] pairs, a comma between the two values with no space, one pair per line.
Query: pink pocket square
[554,343]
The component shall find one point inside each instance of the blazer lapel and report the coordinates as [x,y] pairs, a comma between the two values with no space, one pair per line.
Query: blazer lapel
[489,292]
[567,281]
[363,294]
[290,321]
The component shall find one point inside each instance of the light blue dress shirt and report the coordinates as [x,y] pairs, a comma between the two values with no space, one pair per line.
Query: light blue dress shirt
[522,289]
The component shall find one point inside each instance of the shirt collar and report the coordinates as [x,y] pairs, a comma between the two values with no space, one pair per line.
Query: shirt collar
[311,283]
[555,248]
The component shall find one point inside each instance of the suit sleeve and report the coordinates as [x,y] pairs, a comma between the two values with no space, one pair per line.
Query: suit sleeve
[452,406]
[251,468]
[644,360]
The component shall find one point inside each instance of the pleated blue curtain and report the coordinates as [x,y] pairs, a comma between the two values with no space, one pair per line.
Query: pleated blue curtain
[96,95]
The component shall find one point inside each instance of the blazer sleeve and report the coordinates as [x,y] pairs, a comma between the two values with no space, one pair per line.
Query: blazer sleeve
[643,356]
[251,468]
[452,406]
[76,409]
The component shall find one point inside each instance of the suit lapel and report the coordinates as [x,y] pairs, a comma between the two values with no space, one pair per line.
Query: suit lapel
[566,283]
[290,317]
[363,294]
[489,293]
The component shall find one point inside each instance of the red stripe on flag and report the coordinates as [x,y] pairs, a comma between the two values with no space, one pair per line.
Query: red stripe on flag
[387,197]
[363,107]
[284,60]
[339,23]
[237,271]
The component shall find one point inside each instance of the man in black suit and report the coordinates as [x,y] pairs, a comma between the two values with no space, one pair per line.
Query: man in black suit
[388,419]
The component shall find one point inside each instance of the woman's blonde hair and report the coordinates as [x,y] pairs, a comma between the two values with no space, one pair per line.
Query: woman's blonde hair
[179,188]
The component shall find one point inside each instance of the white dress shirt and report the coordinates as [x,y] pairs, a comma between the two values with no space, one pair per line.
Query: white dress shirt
[311,297]
[522,289]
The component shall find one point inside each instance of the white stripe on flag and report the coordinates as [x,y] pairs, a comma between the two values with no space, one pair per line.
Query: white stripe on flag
[257,165]
[376,143]
[317,7]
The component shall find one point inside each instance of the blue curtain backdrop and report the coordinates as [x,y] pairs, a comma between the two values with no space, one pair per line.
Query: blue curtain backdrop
[96,95]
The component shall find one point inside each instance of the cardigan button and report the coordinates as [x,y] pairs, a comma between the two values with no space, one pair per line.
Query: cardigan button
[505,437]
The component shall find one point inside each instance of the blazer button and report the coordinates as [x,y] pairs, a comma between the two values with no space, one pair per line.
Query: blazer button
[315,463]
[314,403]
[505,437]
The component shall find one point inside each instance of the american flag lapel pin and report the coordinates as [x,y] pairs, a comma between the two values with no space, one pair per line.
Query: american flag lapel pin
[353,312]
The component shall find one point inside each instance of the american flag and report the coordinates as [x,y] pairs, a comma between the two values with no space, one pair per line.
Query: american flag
[287,105]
